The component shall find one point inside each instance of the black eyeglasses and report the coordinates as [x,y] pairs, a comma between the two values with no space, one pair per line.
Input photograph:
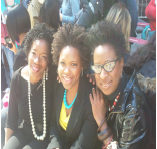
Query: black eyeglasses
[108,66]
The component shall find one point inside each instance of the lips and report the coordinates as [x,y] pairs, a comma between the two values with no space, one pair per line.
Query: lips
[35,69]
[67,80]
[106,85]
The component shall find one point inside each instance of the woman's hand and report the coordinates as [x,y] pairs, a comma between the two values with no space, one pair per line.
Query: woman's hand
[13,48]
[58,78]
[91,78]
[98,105]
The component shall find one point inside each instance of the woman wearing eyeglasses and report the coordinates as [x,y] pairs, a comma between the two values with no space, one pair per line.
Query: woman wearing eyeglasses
[117,103]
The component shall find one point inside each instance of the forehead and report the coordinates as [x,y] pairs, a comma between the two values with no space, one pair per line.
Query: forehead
[40,45]
[69,53]
[104,53]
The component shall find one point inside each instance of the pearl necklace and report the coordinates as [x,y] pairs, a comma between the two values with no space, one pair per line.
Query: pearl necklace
[44,110]
[65,102]
[114,103]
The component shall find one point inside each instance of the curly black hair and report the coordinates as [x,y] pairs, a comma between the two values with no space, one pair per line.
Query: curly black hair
[39,31]
[143,54]
[105,32]
[71,35]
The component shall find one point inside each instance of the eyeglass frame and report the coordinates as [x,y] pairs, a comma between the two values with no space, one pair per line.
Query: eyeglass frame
[102,66]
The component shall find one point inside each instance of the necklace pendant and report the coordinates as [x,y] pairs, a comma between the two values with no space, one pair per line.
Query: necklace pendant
[65,102]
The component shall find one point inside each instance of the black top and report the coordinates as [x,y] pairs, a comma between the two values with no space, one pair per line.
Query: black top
[18,104]
[81,132]
[20,58]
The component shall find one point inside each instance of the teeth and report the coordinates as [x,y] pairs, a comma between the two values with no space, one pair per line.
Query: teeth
[66,79]
[106,85]
[35,68]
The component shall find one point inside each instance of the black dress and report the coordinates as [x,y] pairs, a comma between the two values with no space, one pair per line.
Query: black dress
[18,108]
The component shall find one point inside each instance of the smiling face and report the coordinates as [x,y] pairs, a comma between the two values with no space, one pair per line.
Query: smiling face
[38,59]
[69,67]
[107,81]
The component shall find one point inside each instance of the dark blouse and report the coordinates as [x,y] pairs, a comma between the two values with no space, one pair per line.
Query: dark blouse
[18,104]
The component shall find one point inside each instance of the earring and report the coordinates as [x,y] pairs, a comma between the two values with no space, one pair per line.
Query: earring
[81,73]
[47,73]
[57,71]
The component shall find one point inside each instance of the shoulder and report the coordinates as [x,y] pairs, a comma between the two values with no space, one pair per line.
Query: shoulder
[16,75]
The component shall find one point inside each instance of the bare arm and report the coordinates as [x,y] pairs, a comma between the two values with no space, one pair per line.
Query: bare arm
[8,134]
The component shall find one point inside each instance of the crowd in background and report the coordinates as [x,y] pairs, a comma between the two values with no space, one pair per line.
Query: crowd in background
[95,34]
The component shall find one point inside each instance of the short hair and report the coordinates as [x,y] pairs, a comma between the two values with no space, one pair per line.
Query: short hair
[49,14]
[105,32]
[119,15]
[39,31]
[74,36]
[18,21]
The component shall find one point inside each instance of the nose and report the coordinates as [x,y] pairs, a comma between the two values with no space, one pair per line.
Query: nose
[36,60]
[67,70]
[103,74]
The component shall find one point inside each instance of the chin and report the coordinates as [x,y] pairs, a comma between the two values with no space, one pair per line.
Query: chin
[67,87]
[106,91]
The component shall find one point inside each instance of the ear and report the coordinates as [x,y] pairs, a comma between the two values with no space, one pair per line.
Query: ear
[121,63]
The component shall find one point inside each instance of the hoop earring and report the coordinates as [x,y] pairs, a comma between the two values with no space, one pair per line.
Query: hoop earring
[81,73]
[47,73]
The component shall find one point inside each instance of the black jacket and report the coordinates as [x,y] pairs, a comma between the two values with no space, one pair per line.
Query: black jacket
[81,132]
[127,120]
[94,12]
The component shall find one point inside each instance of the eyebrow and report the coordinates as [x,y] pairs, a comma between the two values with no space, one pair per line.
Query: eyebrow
[65,60]
[42,53]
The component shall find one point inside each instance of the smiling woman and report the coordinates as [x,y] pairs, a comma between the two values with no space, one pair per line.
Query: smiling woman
[73,124]
[31,93]
[118,105]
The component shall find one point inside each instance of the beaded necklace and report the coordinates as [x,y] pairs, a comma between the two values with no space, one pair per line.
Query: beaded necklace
[114,103]
[44,110]
[65,102]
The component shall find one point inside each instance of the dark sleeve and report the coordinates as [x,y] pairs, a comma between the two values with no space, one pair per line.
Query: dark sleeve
[133,129]
[85,141]
[87,18]
[12,120]
[132,8]
[19,60]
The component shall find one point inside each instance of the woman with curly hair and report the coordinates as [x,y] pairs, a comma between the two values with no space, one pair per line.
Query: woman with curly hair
[31,94]
[73,124]
[118,105]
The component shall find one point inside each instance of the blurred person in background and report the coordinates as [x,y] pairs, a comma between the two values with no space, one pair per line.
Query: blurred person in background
[119,15]
[49,14]
[68,11]
[18,24]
